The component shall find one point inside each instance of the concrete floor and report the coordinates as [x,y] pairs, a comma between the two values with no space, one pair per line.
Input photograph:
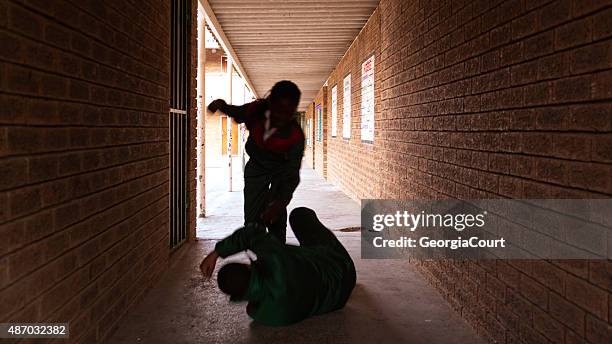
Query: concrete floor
[391,303]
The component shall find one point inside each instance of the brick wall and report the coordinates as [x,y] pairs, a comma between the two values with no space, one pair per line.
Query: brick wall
[320,147]
[492,99]
[83,159]
[353,164]
[215,63]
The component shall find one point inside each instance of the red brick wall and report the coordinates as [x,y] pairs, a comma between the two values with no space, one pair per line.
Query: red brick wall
[320,147]
[492,99]
[353,164]
[83,159]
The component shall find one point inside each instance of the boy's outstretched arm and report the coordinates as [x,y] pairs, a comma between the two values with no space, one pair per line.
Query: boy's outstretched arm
[238,241]
[208,264]
[238,113]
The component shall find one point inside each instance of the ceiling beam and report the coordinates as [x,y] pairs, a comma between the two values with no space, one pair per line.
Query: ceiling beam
[217,30]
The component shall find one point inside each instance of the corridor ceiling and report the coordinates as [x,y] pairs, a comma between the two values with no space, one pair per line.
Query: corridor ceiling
[300,41]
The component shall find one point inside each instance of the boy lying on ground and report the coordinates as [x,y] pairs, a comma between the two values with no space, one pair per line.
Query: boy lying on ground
[287,283]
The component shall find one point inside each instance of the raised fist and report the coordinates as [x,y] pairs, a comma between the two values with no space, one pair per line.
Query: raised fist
[216,104]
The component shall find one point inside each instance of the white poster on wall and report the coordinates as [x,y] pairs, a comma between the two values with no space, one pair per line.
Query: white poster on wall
[367,100]
[346,108]
[334,111]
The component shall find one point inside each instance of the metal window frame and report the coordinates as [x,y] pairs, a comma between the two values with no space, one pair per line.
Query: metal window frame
[180,98]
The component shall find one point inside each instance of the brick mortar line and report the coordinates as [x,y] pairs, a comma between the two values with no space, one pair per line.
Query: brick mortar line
[500,174]
[538,131]
[96,105]
[88,240]
[120,13]
[517,291]
[82,126]
[79,102]
[56,152]
[522,178]
[489,50]
[498,25]
[117,261]
[81,57]
[497,192]
[493,90]
[553,262]
[136,3]
[59,152]
[523,107]
[76,29]
[131,303]
[86,81]
[84,219]
[24,216]
[436,282]
[490,72]
[101,211]
[527,155]
[549,290]
[85,264]
[85,172]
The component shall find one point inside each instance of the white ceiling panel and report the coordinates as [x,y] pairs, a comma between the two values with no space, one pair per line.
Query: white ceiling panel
[300,41]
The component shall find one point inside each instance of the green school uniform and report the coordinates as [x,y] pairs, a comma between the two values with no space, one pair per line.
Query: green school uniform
[290,283]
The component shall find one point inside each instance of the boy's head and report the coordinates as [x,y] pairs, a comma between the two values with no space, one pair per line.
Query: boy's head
[233,279]
[284,99]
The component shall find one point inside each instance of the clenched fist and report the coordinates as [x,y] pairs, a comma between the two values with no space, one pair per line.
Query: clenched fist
[216,105]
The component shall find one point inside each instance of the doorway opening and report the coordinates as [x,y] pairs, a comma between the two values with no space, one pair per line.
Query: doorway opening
[220,157]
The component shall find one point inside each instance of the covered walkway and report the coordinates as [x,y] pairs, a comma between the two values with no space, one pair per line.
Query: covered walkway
[391,303]
[105,138]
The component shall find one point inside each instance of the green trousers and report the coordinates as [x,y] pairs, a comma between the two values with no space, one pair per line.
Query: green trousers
[259,190]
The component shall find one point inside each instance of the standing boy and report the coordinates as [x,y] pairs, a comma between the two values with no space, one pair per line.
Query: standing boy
[275,147]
